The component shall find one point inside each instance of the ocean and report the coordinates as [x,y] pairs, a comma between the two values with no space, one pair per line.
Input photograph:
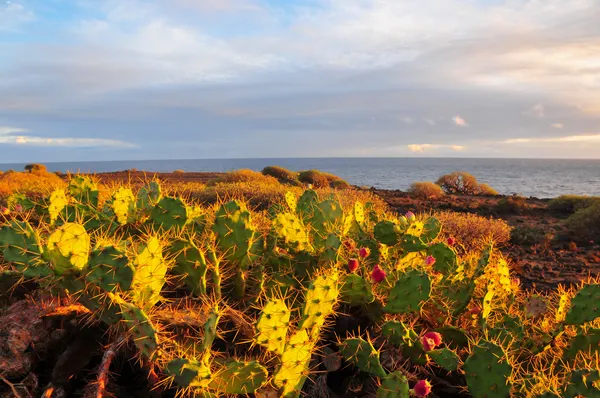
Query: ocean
[542,178]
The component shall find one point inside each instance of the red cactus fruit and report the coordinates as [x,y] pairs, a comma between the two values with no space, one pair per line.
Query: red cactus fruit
[377,275]
[410,216]
[427,343]
[430,260]
[364,252]
[451,241]
[422,388]
[352,265]
[435,336]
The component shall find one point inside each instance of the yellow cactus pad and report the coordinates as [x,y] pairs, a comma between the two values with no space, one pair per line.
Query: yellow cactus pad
[294,364]
[415,229]
[69,248]
[320,299]
[273,326]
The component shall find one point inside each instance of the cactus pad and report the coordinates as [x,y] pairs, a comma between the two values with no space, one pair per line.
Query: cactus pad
[150,272]
[109,269]
[57,202]
[143,332]
[445,257]
[393,385]
[387,232]
[445,358]
[239,378]
[409,293]
[584,383]
[68,248]
[123,205]
[273,325]
[291,201]
[321,297]
[586,342]
[290,231]
[294,364]
[170,213]
[363,355]
[356,290]
[584,306]
[84,190]
[431,229]
[488,371]
[190,262]
[21,246]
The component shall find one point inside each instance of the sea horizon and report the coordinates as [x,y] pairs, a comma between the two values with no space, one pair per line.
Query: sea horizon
[536,177]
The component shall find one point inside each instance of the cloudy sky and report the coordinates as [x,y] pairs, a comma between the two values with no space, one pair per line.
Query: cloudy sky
[164,79]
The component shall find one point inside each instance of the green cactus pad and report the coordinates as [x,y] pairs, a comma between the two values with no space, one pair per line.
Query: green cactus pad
[445,257]
[387,232]
[398,333]
[431,229]
[290,232]
[186,372]
[84,190]
[488,371]
[68,248]
[273,326]
[149,195]
[190,262]
[585,305]
[210,329]
[123,205]
[21,247]
[170,213]
[586,342]
[584,383]
[109,269]
[409,293]
[363,355]
[356,290]
[454,337]
[294,365]
[239,378]
[393,385]
[150,273]
[306,204]
[141,329]
[333,243]
[445,358]
[321,297]
[411,243]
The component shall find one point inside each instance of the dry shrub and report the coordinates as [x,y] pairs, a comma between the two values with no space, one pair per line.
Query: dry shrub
[569,204]
[512,205]
[244,176]
[485,189]
[584,224]
[340,184]
[472,230]
[29,183]
[282,174]
[36,168]
[314,177]
[426,190]
[463,183]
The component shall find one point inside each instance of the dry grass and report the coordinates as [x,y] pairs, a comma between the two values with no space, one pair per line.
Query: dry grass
[426,190]
[473,231]
[282,174]
[31,184]
[584,224]
[569,204]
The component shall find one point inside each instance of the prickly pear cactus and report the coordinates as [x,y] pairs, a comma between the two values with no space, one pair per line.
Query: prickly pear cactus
[445,257]
[190,262]
[387,232]
[394,385]
[356,290]
[584,306]
[294,369]
[431,230]
[150,273]
[445,358]
[56,204]
[320,299]
[273,326]
[68,248]
[123,205]
[148,196]
[21,247]
[109,269]
[488,372]
[363,355]
[141,328]
[409,293]
[290,232]
[239,378]
[170,213]
[584,383]
[84,190]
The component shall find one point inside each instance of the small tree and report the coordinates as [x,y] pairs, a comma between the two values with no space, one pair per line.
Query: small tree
[36,168]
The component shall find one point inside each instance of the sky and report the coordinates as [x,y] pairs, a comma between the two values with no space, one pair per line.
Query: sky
[174,79]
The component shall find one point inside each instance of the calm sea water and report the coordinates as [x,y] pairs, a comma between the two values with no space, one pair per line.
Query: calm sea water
[542,178]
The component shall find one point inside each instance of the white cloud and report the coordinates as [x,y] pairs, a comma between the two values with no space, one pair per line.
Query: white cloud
[557,125]
[13,15]
[5,130]
[591,137]
[536,111]
[459,121]
[420,148]
[12,135]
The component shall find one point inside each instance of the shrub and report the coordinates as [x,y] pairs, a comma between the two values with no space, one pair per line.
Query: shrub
[512,205]
[36,168]
[584,224]
[314,177]
[282,174]
[525,235]
[426,190]
[463,183]
[569,204]
[244,175]
[485,189]
[29,183]
[473,231]
[178,171]
[340,184]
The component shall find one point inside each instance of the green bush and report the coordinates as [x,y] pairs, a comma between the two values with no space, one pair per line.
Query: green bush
[426,190]
[462,183]
[313,177]
[512,205]
[282,174]
[584,224]
[569,204]
[36,168]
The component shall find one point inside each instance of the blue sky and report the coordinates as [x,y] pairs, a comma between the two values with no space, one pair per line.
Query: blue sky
[134,79]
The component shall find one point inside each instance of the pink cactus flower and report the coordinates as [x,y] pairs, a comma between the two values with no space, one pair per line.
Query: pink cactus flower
[364,252]
[18,208]
[377,275]
[475,310]
[427,343]
[352,265]
[410,216]
[430,260]
[451,241]
[435,336]
[422,388]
